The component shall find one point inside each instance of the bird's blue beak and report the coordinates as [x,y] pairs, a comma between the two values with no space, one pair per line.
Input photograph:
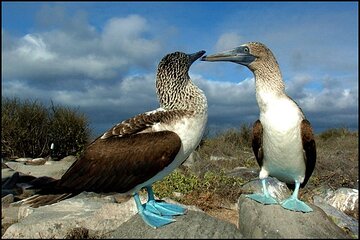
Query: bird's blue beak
[238,55]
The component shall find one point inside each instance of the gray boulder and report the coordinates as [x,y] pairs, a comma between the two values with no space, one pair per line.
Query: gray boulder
[54,169]
[191,225]
[6,173]
[100,216]
[276,188]
[23,159]
[341,219]
[272,221]
[243,172]
[36,161]
[344,199]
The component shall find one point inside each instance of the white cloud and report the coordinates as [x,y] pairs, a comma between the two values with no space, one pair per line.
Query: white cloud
[93,69]
[41,58]
[125,36]
[34,48]
[228,41]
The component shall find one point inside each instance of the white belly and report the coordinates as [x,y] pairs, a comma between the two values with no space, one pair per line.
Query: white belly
[282,145]
[190,131]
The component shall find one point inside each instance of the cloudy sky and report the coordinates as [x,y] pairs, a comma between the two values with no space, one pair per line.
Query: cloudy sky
[101,58]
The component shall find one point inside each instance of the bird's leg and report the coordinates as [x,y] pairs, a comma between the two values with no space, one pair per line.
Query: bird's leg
[161,207]
[264,198]
[293,203]
[151,219]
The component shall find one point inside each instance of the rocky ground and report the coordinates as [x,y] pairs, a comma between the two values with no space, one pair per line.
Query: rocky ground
[336,171]
[337,167]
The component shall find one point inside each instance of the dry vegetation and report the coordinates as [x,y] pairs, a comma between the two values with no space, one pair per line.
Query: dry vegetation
[28,128]
[209,187]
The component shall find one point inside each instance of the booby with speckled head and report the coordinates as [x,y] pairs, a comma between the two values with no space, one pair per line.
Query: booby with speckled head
[283,141]
[145,148]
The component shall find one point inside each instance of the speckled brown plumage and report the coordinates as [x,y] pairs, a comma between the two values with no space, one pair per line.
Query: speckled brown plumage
[136,150]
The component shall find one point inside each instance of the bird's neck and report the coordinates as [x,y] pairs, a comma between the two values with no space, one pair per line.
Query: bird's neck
[269,85]
[181,97]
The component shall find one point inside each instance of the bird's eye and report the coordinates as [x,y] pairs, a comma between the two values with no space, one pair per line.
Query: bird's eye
[246,50]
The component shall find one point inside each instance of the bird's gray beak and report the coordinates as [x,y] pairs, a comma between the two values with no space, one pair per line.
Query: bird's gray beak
[195,56]
[236,55]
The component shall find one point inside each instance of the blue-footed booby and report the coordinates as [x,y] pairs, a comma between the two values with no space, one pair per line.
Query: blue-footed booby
[283,141]
[145,148]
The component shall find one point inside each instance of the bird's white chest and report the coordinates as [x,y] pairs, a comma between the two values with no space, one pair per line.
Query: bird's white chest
[190,130]
[282,145]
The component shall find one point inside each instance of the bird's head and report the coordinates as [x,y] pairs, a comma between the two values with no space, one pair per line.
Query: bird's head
[174,87]
[251,54]
[176,65]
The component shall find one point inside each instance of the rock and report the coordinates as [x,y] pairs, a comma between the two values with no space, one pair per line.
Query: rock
[55,170]
[98,213]
[22,159]
[243,172]
[99,216]
[217,158]
[5,201]
[9,216]
[177,194]
[36,161]
[277,189]
[6,173]
[188,207]
[191,225]
[12,185]
[344,199]
[194,157]
[272,221]
[69,158]
[347,223]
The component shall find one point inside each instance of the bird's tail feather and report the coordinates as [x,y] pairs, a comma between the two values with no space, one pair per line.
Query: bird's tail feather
[47,192]
[38,200]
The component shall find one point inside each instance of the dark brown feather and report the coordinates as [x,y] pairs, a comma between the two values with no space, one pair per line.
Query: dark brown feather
[41,200]
[257,142]
[309,147]
[115,164]
[119,164]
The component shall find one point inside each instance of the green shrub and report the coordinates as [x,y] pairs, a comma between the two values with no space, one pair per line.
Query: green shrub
[23,128]
[28,128]
[188,182]
[68,130]
[176,182]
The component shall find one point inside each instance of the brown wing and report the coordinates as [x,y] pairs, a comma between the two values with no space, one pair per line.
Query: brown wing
[119,164]
[142,121]
[257,142]
[309,149]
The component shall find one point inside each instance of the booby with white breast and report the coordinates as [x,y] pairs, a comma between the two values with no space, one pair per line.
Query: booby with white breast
[283,141]
[145,148]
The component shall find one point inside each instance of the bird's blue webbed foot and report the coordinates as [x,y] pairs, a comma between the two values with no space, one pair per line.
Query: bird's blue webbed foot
[262,198]
[152,219]
[265,197]
[294,204]
[162,208]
